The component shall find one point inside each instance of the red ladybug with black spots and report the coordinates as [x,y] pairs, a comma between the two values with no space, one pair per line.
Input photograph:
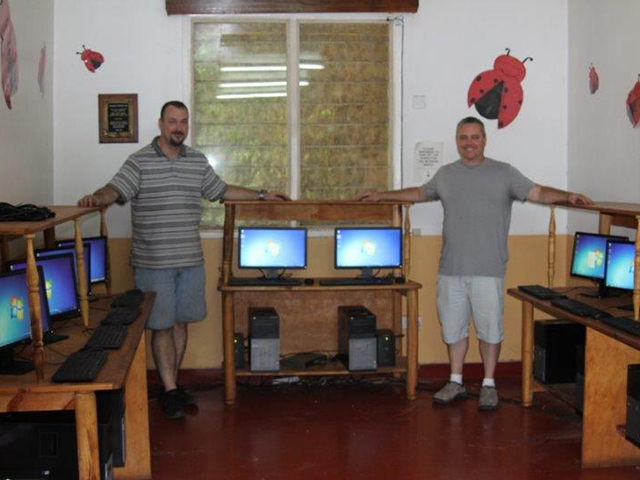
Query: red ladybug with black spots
[92,59]
[633,103]
[497,93]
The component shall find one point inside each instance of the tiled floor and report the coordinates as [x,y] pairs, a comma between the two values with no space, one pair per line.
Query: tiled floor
[368,431]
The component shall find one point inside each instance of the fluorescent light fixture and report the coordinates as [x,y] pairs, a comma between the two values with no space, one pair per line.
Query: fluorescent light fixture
[251,95]
[258,84]
[271,68]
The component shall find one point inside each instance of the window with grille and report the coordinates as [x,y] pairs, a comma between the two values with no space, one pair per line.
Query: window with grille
[320,131]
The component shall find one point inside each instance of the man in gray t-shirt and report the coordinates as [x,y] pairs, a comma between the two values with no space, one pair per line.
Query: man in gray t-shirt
[476,193]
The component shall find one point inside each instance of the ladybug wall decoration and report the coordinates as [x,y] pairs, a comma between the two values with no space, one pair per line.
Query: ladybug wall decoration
[92,59]
[594,80]
[633,103]
[497,93]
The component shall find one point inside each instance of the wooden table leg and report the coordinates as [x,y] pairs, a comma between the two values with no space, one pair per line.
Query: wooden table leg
[412,343]
[228,349]
[527,353]
[138,448]
[87,436]
[82,276]
[33,281]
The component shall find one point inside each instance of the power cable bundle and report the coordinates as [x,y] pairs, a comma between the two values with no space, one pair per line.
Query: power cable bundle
[24,213]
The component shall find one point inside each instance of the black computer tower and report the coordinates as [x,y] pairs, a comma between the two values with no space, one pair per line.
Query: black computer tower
[357,344]
[632,428]
[579,389]
[264,339]
[111,411]
[44,445]
[554,350]
[238,348]
[386,348]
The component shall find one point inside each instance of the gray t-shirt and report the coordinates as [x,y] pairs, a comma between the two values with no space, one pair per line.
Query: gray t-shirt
[477,214]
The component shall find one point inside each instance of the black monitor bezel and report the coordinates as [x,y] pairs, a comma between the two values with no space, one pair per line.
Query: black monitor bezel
[28,337]
[106,256]
[368,267]
[275,267]
[573,253]
[63,315]
[87,263]
[606,267]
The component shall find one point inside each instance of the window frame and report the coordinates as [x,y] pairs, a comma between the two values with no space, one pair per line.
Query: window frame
[293,22]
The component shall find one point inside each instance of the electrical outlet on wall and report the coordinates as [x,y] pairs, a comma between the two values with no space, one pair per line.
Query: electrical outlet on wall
[404,322]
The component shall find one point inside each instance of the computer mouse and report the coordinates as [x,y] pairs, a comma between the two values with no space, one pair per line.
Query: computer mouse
[309,281]
[399,279]
[602,314]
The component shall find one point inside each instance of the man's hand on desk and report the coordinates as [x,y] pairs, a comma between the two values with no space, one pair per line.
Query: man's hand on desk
[101,197]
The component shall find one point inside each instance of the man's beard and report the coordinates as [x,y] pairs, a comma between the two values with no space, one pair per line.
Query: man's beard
[176,143]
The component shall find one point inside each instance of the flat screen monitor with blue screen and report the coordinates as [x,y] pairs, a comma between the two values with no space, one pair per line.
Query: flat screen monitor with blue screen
[620,268]
[272,248]
[368,248]
[98,259]
[14,320]
[47,252]
[589,259]
[60,284]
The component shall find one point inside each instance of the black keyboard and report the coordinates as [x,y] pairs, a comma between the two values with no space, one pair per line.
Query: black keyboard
[264,282]
[538,291]
[129,298]
[333,282]
[121,316]
[578,308]
[626,324]
[82,366]
[107,336]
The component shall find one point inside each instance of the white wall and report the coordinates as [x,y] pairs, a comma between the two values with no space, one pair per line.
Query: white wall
[447,43]
[26,136]
[604,148]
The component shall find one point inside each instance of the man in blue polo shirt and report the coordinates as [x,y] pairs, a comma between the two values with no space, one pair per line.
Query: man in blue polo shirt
[476,194]
[165,182]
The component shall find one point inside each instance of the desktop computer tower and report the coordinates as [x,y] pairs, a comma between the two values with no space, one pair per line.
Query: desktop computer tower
[579,390]
[554,350]
[44,445]
[238,348]
[357,343]
[264,339]
[111,411]
[632,427]
[386,345]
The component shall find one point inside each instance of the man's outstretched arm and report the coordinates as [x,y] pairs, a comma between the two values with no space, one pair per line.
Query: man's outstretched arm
[550,195]
[102,197]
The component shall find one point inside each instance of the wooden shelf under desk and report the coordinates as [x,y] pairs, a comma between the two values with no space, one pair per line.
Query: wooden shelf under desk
[332,368]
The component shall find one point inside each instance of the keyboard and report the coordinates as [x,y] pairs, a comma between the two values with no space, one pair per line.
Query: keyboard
[121,316]
[626,324]
[578,308]
[333,282]
[264,282]
[81,366]
[538,291]
[107,336]
[129,298]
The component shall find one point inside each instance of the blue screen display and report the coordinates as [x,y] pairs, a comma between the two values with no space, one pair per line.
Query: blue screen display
[589,252]
[620,268]
[368,247]
[47,252]
[98,246]
[14,309]
[59,282]
[272,248]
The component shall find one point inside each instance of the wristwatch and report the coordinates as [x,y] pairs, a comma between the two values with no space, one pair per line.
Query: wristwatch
[262,194]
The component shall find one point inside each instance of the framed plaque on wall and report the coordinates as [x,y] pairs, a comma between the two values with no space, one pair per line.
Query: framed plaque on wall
[118,117]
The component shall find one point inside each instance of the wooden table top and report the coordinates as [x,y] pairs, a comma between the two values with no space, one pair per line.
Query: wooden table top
[63,214]
[113,373]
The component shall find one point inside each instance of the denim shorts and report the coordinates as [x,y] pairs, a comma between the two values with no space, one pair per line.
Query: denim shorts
[460,297]
[179,295]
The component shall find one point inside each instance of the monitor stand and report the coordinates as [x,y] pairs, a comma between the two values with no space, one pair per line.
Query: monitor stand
[366,273]
[9,366]
[49,337]
[601,292]
[271,273]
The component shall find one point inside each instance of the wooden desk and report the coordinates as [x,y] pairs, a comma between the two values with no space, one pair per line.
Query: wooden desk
[308,313]
[28,231]
[124,369]
[607,353]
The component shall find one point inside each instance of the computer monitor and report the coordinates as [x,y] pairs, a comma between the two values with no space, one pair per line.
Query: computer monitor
[60,284]
[620,267]
[47,252]
[98,247]
[14,321]
[368,248]
[589,259]
[272,249]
